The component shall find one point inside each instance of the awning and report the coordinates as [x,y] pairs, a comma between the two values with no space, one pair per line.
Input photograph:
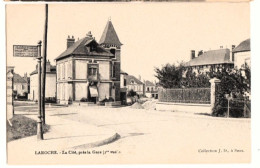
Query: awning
[93,91]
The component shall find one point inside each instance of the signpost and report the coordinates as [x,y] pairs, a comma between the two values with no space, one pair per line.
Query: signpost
[33,51]
[25,51]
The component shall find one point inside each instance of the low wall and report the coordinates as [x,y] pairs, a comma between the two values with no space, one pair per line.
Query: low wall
[184,107]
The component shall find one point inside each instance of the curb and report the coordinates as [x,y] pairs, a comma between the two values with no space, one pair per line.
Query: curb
[109,140]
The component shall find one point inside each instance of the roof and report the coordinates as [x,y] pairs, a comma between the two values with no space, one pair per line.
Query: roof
[123,72]
[130,78]
[220,56]
[79,48]
[53,71]
[243,46]
[18,79]
[109,35]
[149,83]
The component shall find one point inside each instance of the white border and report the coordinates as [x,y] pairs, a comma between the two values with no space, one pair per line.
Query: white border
[255,57]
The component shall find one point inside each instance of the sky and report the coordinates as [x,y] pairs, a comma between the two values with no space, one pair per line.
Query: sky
[153,34]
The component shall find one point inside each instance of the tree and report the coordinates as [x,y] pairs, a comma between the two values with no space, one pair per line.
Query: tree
[180,76]
[233,83]
[170,76]
[131,93]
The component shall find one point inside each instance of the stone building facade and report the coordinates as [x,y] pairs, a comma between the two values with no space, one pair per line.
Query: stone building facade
[9,92]
[88,70]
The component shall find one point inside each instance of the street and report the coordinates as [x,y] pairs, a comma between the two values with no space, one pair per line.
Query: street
[149,136]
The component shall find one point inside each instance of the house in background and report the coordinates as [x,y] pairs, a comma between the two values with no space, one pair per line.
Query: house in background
[50,90]
[212,59]
[20,85]
[88,70]
[132,83]
[151,90]
[242,54]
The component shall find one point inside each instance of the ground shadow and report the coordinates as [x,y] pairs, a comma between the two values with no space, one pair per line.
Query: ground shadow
[132,134]
[206,114]
[70,137]
[63,114]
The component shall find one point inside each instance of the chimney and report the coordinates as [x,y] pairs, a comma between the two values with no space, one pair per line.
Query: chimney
[139,77]
[89,34]
[48,66]
[25,76]
[231,52]
[70,41]
[200,53]
[192,55]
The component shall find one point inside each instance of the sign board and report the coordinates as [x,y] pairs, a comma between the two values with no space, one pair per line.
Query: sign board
[25,51]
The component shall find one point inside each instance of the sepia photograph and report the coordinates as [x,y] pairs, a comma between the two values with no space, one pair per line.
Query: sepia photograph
[128,83]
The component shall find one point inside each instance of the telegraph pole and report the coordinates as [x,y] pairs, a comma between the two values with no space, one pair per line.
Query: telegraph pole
[39,125]
[43,78]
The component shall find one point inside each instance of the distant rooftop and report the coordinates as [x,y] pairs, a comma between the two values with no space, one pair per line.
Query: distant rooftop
[18,79]
[220,56]
[130,78]
[149,83]
[243,46]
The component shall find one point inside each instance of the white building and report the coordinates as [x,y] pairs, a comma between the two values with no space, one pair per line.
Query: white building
[151,90]
[50,90]
[242,54]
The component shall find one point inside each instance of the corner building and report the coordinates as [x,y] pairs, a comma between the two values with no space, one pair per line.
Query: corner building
[89,70]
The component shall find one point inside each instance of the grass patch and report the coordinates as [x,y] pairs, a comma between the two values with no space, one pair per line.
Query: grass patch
[22,127]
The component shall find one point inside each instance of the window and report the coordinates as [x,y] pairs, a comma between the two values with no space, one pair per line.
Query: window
[114,71]
[113,51]
[124,82]
[22,87]
[92,70]
[148,89]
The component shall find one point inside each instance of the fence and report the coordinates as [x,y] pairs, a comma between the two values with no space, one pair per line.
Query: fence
[238,108]
[187,95]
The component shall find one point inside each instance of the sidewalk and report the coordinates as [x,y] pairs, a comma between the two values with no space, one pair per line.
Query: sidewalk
[63,135]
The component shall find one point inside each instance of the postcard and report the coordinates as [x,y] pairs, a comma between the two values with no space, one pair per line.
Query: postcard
[128,83]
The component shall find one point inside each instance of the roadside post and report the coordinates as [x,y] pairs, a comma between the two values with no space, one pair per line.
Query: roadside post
[228,97]
[44,58]
[39,121]
[35,52]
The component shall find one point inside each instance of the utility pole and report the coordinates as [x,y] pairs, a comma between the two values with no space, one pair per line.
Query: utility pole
[39,125]
[43,78]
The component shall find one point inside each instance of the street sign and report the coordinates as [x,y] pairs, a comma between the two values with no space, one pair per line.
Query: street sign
[25,51]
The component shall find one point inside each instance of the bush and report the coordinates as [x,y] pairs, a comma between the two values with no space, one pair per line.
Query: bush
[83,99]
[50,99]
[110,99]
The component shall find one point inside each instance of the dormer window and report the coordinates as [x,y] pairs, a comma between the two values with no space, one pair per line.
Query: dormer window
[132,81]
[92,48]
